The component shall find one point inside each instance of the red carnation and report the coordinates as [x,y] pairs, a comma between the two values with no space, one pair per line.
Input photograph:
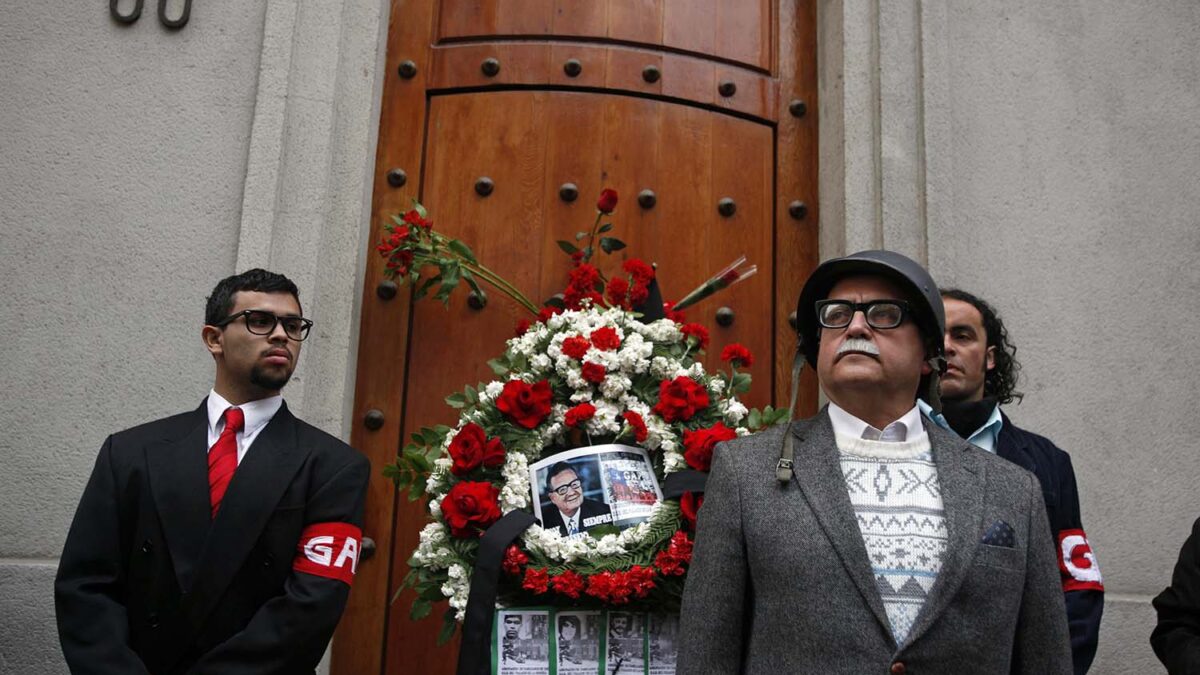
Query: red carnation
[695,330]
[674,560]
[594,372]
[606,338]
[523,327]
[680,399]
[524,404]
[618,292]
[579,414]
[577,257]
[581,286]
[568,583]
[638,424]
[400,262]
[545,313]
[689,507]
[607,201]
[470,508]
[514,560]
[679,316]
[536,580]
[639,270]
[738,355]
[576,346]
[698,445]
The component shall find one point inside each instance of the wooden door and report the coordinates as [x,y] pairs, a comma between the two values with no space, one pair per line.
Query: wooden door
[694,100]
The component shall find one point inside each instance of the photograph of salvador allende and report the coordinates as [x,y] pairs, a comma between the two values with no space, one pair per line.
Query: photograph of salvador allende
[566,503]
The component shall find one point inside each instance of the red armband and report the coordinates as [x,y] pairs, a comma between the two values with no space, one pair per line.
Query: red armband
[1078,565]
[329,550]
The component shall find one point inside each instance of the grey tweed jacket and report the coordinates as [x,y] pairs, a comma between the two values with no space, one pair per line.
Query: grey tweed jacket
[780,581]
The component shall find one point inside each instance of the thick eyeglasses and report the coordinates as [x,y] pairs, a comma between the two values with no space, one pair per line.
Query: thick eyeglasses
[881,314]
[262,322]
[562,490]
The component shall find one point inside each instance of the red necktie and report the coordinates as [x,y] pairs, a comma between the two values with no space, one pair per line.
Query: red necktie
[222,458]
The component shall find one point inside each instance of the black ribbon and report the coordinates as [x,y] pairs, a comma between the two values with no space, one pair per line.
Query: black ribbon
[688,480]
[475,650]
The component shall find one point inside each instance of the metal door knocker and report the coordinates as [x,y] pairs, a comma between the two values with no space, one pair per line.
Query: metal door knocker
[136,13]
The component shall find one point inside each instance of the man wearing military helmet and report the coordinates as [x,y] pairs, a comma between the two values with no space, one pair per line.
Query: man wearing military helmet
[863,540]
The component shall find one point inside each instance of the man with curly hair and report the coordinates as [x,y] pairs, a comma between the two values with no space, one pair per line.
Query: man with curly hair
[981,376]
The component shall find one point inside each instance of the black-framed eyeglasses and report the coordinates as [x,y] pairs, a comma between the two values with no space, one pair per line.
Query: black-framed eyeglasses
[562,490]
[262,322]
[881,314]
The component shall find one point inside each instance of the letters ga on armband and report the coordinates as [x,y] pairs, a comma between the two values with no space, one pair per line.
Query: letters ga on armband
[1080,570]
[329,550]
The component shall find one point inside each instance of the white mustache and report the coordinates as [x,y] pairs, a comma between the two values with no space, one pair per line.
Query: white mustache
[858,345]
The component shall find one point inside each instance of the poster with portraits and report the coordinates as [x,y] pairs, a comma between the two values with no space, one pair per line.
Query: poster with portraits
[578,642]
[625,633]
[548,641]
[579,490]
[521,642]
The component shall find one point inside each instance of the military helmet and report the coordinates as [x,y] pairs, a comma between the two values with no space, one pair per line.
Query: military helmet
[918,286]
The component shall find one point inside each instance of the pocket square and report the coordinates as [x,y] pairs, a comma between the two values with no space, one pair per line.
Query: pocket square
[999,534]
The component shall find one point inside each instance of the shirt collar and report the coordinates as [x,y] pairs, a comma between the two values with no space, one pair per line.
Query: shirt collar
[984,437]
[257,413]
[845,424]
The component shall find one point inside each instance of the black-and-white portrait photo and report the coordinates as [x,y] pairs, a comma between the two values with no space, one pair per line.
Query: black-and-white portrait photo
[577,638]
[662,643]
[626,643]
[522,644]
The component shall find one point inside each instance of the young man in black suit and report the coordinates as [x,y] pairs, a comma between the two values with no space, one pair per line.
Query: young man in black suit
[224,539]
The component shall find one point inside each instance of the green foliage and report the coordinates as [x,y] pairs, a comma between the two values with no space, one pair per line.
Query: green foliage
[415,461]
[611,244]
[567,247]
[758,420]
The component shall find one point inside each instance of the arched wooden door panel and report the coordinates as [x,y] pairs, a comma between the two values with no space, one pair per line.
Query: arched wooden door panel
[529,126]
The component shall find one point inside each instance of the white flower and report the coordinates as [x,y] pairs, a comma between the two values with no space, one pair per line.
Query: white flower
[540,363]
[493,389]
[733,410]
[663,368]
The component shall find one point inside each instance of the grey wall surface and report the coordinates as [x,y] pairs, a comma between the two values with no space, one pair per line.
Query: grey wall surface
[138,166]
[1045,155]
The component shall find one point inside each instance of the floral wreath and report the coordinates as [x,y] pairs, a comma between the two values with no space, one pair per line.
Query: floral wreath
[588,370]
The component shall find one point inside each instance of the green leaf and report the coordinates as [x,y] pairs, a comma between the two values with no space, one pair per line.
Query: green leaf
[601,530]
[463,250]
[456,400]
[449,625]
[420,609]
[567,246]
[499,366]
[610,244]
[420,208]
[424,288]
[740,383]
[605,228]
[754,420]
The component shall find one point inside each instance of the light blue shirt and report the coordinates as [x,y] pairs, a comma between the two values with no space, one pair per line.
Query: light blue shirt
[983,437]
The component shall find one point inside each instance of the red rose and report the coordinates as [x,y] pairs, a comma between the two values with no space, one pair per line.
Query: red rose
[695,330]
[607,201]
[523,327]
[576,346]
[568,583]
[689,507]
[470,508]
[579,414]
[467,448]
[698,445]
[737,354]
[400,262]
[536,580]
[606,339]
[493,454]
[526,405]
[638,424]
[594,372]
[680,399]
[617,292]
[514,559]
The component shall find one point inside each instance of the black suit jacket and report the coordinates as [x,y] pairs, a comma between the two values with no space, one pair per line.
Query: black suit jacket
[1055,473]
[1176,638]
[150,583]
[551,517]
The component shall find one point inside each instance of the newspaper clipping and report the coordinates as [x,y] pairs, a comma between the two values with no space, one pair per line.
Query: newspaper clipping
[662,639]
[626,643]
[603,485]
[522,642]
[578,641]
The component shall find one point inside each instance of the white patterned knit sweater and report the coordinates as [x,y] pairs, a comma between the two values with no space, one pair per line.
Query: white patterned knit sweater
[898,504]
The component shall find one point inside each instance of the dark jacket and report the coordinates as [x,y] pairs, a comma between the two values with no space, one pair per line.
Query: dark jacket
[1083,588]
[589,509]
[1176,638]
[150,583]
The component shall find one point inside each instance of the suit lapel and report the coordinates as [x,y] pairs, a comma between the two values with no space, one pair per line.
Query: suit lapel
[257,486]
[961,476]
[818,472]
[178,474]
[1012,448]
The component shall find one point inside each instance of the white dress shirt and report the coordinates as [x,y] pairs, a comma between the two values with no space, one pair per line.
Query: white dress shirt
[907,429]
[257,414]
